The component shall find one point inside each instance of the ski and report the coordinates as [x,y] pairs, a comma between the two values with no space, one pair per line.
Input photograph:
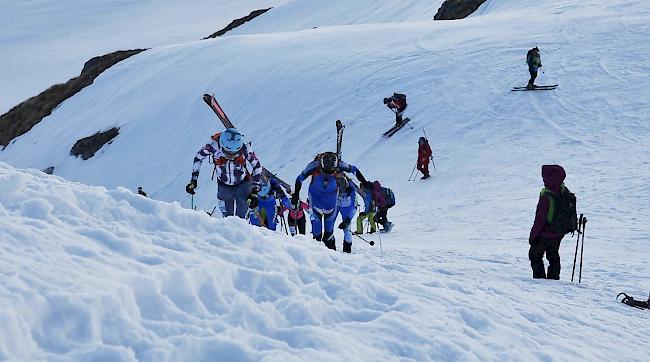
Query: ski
[540,87]
[537,86]
[396,128]
[339,137]
[216,108]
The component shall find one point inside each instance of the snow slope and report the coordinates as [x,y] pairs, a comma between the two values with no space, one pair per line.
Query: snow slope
[47,42]
[96,274]
[465,230]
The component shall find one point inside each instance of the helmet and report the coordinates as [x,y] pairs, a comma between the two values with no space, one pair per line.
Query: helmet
[265,188]
[422,140]
[231,140]
[329,162]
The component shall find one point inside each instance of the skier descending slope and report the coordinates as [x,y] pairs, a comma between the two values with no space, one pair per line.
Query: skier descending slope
[347,207]
[236,186]
[323,191]
[534,61]
[265,212]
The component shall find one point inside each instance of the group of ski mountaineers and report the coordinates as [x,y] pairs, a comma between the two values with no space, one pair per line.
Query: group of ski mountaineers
[246,190]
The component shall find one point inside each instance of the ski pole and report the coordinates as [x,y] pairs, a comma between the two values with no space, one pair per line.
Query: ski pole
[372,243]
[434,164]
[575,256]
[414,166]
[582,248]
[193,202]
[381,249]
[213,210]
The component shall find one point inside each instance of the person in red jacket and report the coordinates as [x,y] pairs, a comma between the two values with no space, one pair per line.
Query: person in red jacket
[424,155]
[541,239]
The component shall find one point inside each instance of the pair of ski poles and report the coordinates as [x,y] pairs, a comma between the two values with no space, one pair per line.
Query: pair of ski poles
[582,221]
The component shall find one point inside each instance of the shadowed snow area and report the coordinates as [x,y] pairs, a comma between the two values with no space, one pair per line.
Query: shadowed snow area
[90,273]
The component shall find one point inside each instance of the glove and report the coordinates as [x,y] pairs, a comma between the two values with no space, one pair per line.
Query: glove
[191,187]
[252,200]
[385,100]
[362,214]
[345,223]
[295,201]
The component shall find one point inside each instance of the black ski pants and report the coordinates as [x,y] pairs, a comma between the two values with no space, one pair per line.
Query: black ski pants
[533,75]
[550,247]
[381,216]
[297,223]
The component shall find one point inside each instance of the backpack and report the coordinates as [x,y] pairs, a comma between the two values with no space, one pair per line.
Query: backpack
[383,196]
[562,217]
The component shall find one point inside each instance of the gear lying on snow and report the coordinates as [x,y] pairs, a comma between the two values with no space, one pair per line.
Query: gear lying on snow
[634,303]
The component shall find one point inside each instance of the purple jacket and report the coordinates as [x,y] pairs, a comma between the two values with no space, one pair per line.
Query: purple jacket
[553,176]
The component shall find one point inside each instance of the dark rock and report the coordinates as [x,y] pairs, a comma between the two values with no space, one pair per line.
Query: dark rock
[237,22]
[21,118]
[49,170]
[457,9]
[86,147]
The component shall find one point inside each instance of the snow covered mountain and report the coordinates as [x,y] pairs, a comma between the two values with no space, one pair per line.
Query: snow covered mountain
[454,282]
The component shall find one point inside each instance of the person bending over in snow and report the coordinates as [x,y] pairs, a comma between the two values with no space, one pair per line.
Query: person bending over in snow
[347,207]
[368,209]
[424,155]
[236,186]
[265,212]
[296,218]
[397,104]
[323,191]
[534,61]
[384,199]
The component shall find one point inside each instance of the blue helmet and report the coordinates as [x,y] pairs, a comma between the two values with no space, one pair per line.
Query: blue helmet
[231,140]
[265,188]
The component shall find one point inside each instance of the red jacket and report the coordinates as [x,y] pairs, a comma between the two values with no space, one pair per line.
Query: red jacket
[553,176]
[424,152]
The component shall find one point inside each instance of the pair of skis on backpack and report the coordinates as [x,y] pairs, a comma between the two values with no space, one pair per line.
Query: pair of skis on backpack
[534,88]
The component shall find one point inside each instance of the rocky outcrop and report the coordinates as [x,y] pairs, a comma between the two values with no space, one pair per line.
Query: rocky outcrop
[457,9]
[87,147]
[20,119]
[237,22]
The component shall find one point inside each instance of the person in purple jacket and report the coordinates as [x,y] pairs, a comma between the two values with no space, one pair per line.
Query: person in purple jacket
[541,239]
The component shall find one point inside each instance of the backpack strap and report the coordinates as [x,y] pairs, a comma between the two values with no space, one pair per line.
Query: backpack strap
[551,206]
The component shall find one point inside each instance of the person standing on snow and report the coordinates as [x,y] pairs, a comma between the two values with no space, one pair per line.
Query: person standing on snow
[368,210]
[534,61]
[323,191]
[384,199]
[424,155]
[542,239]
[265,214]
[347,207]
[237,187]
[397,104]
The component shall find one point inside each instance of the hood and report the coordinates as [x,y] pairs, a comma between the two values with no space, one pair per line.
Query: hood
[553,176]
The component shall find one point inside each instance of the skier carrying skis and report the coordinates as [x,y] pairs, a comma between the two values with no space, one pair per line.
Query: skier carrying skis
[424,155]
[323,190]
[368,209]
[236,185]
[384,199]
[544,235]
[534,62]
[347,207]
[397,104]
[265,214]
